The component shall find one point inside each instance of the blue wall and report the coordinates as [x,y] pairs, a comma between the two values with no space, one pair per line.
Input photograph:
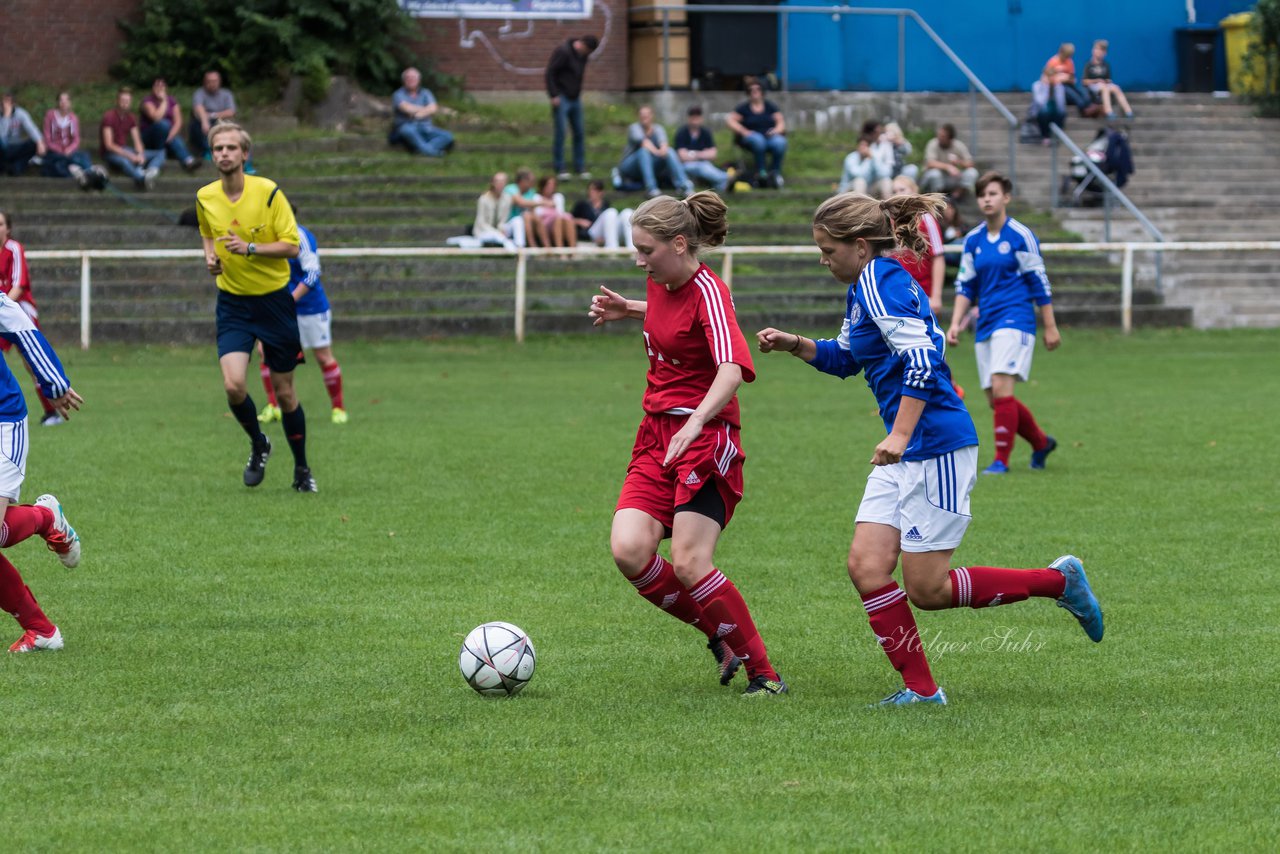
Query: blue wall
[1004,42]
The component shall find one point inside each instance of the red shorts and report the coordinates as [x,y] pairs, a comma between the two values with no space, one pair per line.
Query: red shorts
[714,457]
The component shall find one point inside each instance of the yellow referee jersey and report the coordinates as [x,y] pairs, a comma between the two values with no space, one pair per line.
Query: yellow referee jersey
[261,215]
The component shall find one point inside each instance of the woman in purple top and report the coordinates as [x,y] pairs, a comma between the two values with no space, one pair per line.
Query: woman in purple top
[160,121]
[760,128]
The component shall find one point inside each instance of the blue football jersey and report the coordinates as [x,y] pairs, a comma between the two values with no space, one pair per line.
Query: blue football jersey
[1004,276]
[891,335]
[17,327]
[305,270]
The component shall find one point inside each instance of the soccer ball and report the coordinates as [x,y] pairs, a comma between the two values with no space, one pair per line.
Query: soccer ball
[497,659]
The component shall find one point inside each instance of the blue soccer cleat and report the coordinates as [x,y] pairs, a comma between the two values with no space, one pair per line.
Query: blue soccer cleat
[1038,457]
[1077,597]
[996,467]
[906,697]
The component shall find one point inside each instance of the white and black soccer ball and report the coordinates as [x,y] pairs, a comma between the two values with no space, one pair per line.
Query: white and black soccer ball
[497,659]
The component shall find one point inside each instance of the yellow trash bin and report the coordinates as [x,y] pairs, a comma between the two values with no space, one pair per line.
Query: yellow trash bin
[1238,39]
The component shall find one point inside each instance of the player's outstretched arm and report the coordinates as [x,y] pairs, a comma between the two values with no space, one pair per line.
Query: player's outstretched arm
[772,340]
[69,401]
[607,306]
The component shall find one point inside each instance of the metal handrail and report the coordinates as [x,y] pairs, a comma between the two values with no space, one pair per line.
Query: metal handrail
[785,12]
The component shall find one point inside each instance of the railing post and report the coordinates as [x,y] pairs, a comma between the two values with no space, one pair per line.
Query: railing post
[973,120]
[522,272]
[1013,155]
[84,300]
[666,51]
[1106,216]
[1126,290]
[726,269]
[786,53]
[902,57]
[1053,174]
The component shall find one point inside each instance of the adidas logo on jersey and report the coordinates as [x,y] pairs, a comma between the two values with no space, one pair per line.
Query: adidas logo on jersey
[914,535]
[669,600]
[692,479]
[724,629]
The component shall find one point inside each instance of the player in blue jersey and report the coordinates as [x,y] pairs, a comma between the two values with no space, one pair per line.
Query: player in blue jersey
[1002,273]
[315,327]
[916,503]
[45,517]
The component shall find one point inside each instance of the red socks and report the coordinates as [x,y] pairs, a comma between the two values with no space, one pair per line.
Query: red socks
[266,383]
[1029,429]
[659,585]
[23,520]
[891,619]
[988,586]
[1013,418]
[333,384]
[16,598]
[727,611]
[1005,411]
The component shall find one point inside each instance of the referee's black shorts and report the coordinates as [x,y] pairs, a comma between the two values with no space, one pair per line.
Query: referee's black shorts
[270,318]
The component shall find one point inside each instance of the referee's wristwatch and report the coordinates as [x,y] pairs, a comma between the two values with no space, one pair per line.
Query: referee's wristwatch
[252,249]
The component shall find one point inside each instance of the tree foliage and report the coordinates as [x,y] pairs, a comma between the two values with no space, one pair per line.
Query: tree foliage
[1263,56]
[264,40]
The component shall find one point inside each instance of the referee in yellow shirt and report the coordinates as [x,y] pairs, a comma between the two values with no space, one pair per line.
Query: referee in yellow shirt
[249,236]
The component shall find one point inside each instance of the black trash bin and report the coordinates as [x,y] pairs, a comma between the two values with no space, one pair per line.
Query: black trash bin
[1197,48]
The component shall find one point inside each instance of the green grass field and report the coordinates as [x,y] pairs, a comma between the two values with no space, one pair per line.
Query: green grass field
[261,670]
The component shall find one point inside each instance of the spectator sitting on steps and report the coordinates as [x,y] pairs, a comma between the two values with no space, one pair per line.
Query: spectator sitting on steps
[122,144]
[1097,79]
[948,167]
[160,123]
[648,158]
[599,223]
[493,209]
[696,148]
[864,172]
[65,158]
[761,129]
[412,126]
[211,103]
[20,139]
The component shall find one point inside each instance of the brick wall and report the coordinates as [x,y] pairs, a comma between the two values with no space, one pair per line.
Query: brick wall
[491,61]
[80,42]
[77,42]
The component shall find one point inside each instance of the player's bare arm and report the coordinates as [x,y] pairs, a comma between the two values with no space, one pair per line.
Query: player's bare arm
[608,306]
[772,340]
[723,388]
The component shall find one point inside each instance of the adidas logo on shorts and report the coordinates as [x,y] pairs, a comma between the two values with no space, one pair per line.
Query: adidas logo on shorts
[692,479]
[914,535]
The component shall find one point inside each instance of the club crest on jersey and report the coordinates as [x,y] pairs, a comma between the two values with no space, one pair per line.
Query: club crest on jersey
[856,314]
[1004,247]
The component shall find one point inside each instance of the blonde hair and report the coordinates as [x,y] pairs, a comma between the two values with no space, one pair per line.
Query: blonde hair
[701,219]
[884,225]
[1066,49]
[909,181]
[231,127]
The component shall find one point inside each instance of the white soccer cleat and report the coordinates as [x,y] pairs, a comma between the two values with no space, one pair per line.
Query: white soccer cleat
[31,641]
[63,539]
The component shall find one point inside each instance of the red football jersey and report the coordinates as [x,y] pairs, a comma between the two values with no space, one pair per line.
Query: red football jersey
[13,269]
[921,266]
[689,332]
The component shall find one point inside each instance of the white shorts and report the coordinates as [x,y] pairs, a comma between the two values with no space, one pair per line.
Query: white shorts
[314,330]
[13,458]
[926,500]
[1007,351]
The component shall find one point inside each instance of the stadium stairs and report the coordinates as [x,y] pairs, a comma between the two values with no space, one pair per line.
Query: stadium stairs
[356,191]
[1207,169]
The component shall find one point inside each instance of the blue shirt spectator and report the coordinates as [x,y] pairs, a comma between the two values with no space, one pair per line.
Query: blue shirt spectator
[412,126]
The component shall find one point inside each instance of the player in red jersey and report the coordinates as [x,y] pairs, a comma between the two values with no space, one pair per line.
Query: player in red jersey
[928,267]
[15,282]
[685,475]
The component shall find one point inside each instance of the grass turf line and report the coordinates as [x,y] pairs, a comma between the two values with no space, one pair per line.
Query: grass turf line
[259,669]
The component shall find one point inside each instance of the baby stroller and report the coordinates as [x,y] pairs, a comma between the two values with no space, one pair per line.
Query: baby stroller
[1110,152]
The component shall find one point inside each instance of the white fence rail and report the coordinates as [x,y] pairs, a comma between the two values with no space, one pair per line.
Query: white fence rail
[522,256]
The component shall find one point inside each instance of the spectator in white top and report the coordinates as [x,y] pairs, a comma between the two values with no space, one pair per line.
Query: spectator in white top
[493,209]
[20,139]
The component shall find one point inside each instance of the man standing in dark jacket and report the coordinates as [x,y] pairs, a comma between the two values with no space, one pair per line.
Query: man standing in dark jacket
[564,86]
